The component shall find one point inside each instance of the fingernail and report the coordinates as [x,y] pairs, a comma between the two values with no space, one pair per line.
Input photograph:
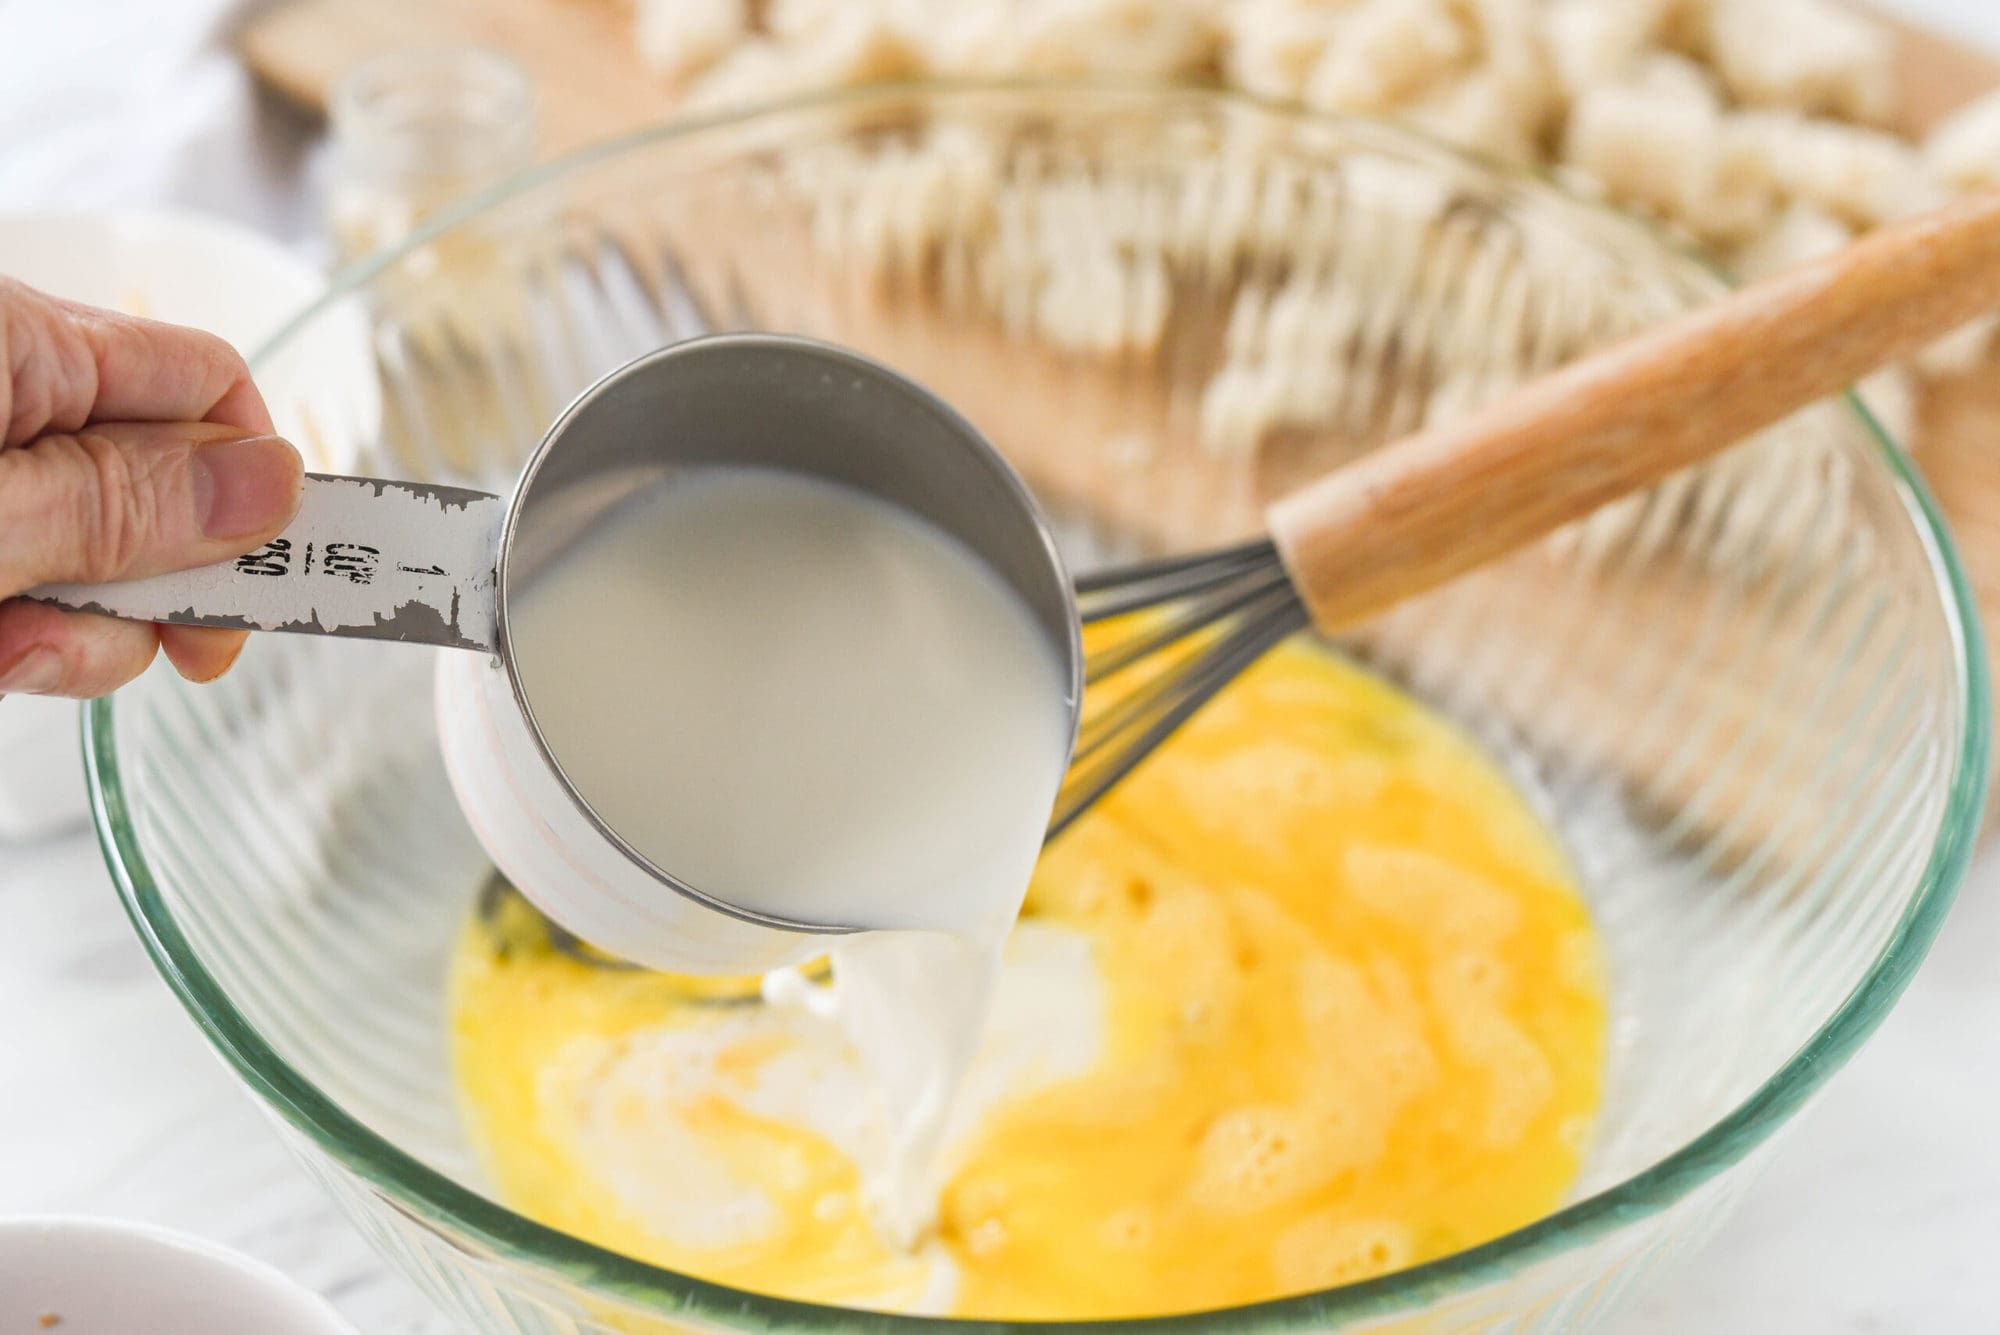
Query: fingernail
[38,670]
[227,664]
[243,487]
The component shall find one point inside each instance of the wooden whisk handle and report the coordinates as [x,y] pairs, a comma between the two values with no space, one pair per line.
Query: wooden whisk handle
[1414,513]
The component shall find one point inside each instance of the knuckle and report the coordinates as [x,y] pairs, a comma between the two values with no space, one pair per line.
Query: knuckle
[116,506]
[223,364]
[223,353]
[87,507]
[47,378]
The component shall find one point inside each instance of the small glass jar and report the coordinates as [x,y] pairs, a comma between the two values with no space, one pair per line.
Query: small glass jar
[414,129]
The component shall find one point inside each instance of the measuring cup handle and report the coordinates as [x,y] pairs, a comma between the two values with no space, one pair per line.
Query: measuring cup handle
[365,558]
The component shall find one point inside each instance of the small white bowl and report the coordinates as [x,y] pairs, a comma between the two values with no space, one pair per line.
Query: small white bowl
[102,1277]
[215,275]
[191,269]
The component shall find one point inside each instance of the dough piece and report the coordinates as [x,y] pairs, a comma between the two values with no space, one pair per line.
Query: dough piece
[1863,177]
[1134,39]
[755,70]
[1271,46]
[1801,232]
[1657,140]
[1804,55]
[1671,73]
[680,39]
[835,48]
[1964,150]
[1648,145]
[1385,54]
[1483,112]
[1592,42]
[1511,51]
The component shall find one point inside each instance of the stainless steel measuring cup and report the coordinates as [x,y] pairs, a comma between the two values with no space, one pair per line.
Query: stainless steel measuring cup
[439,565]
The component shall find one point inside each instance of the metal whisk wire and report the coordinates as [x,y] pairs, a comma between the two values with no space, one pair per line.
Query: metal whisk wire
[1239,599]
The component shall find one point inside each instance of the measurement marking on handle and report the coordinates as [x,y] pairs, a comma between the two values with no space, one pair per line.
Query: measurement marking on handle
[352,559]
[328,574]
[273,558]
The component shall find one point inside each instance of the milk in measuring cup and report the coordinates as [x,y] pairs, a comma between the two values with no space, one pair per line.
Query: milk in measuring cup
[809,703]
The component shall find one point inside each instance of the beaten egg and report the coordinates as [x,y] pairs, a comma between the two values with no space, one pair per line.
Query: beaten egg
[1309,998]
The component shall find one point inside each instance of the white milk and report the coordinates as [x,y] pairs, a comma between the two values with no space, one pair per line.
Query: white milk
[1047,1025]
[806,702]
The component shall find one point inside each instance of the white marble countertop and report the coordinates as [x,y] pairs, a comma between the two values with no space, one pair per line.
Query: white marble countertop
[1881,1214]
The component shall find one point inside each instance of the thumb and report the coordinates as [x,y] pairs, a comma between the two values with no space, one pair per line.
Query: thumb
[132,499]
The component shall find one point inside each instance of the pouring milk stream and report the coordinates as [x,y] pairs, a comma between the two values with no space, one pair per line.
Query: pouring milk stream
[812,705]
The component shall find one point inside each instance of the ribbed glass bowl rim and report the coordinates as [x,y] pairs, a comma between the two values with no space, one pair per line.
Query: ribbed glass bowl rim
[433,1198]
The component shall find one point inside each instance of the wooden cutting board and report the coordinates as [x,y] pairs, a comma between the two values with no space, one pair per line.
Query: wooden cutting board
[591,83]
[588,76]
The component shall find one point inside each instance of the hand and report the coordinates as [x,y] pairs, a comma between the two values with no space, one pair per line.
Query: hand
[127,448]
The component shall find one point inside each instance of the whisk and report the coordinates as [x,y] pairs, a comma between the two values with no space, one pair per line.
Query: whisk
[1414,514]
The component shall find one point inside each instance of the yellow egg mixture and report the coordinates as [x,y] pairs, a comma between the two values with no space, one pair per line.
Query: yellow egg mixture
[1309,998]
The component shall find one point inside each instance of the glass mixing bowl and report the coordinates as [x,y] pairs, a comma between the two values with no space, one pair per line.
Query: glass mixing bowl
[1750,703]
